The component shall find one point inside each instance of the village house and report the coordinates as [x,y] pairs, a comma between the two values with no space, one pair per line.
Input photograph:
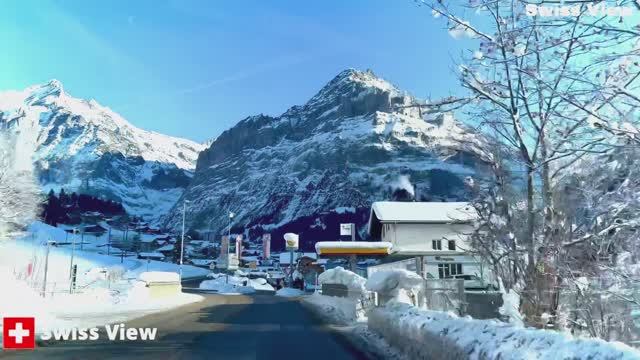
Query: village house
[436,233]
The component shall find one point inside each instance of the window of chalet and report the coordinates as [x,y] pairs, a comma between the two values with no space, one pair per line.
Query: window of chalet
[436,244]
[452,244]
[449,269]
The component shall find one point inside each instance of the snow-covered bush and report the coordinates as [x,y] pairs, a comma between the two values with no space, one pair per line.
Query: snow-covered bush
[341,310]
[338,275]
[510,307]
[400,284]
[115,273]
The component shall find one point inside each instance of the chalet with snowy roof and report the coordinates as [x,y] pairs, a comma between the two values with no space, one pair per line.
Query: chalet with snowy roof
[167,250]
[205,263]
[435,232]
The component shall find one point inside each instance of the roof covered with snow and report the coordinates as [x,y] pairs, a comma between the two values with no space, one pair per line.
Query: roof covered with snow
[423,212]
[166,248]
[151,255]
[201,262]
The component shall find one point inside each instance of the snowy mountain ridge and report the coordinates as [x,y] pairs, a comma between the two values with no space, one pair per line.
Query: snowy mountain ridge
[328,160]
[81,145]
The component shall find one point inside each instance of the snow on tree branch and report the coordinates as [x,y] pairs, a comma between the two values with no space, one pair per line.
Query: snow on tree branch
[19,193]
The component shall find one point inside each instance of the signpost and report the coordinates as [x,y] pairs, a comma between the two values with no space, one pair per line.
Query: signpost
[292,243]
[233,262]
[348,230]
[239,246]
[74,273]
[266,246]
[224,247]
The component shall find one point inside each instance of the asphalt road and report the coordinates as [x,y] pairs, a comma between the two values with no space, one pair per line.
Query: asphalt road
[219,327]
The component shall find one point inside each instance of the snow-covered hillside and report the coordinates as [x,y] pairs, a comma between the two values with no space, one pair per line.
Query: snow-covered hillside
[357,140]
[81,145]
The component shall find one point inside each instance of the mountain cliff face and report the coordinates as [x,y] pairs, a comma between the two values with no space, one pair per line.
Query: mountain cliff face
[80,145]
[358,140]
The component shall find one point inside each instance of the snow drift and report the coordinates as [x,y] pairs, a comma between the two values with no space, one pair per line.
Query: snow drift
[234,285]
[437,335]
[336,310]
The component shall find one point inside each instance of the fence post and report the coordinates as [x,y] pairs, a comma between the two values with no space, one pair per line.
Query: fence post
[463,299]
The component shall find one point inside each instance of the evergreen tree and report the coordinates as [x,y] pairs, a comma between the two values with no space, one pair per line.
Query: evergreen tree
[64,198]
[52,211]
[74,200]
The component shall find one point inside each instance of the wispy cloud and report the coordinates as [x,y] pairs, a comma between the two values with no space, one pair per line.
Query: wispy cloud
[243,74]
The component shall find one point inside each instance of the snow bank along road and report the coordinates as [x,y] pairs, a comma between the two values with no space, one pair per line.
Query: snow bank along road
[219,327]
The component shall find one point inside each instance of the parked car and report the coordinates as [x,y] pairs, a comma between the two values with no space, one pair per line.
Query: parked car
[474,282]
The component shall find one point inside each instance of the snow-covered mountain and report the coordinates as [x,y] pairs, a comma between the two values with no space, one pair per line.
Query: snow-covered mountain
[359,139]
[80,145]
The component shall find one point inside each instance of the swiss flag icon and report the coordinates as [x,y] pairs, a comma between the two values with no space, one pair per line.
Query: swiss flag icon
[18,333]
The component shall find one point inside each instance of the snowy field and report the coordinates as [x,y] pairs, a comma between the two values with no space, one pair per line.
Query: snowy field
[107,290]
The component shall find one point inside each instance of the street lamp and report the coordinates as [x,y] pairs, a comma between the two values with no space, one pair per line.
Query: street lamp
[184,216]
[231,214]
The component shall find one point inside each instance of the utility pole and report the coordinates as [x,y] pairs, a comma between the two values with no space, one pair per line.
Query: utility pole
[353,259]
[291,270]
[184,217]
[109,242]
[72,285]
[126,240]
[46,269]
[292,244]
[73,249]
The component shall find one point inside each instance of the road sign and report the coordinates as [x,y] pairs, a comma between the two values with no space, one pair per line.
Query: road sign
[346,229]
[233,262]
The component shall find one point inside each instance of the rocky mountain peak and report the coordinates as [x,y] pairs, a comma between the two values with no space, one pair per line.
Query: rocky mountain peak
[352,82]
[325,162]
[40,94]
[82,146]
[54,84]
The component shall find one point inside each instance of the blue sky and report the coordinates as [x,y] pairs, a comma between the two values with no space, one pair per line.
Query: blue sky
[193,68]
